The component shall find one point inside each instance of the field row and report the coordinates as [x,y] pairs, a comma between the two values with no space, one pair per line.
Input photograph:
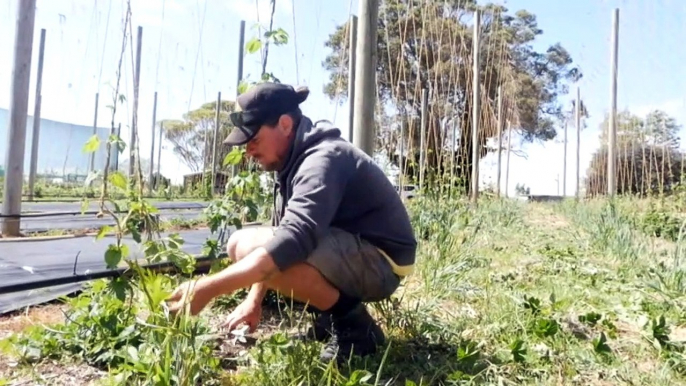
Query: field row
[507,293]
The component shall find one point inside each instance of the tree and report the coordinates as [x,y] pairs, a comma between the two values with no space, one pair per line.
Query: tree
[427,45]
[522,190]
[647,158]
[662,129]
[629,129]
[657,129]
[192,136]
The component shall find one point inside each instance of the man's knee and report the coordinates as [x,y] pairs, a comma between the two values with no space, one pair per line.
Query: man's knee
[354,266]
[242,242]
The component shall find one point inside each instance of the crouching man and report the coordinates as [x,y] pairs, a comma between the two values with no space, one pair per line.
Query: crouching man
[340,234]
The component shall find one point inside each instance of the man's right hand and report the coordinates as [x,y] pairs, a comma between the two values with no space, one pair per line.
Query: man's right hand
[248,312]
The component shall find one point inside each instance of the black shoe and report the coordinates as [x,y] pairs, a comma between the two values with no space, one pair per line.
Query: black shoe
[320,331]
[355,334]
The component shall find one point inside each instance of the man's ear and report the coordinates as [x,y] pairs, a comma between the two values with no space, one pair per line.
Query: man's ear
[286,123]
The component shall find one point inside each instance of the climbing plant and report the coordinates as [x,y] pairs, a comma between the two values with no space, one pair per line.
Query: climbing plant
[122,324]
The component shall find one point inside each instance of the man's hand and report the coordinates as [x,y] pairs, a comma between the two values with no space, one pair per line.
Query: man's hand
[195,293]
[248,312]
[257,267]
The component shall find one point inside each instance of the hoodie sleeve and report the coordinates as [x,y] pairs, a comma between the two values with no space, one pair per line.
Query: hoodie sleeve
[318,188]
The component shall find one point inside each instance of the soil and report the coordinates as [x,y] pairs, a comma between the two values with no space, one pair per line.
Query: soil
[231,350]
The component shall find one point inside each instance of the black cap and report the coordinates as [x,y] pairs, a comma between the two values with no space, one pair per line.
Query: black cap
[260,104]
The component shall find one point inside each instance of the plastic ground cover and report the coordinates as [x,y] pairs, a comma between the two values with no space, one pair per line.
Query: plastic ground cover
[23,261]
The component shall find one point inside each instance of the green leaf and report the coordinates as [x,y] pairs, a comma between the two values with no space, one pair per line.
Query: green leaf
[253,45]
[92,144]
[133,353]
[103,232]
[518,350]
[84,206]
[243,87]
[113,256]
[234,157]
[135,234]
[127,332]
[119,286]
[117,207]
[124,250]
[175,241]
[151,249]
[600,345]
[278,36]
[118,180]
[151,209]
[117,142]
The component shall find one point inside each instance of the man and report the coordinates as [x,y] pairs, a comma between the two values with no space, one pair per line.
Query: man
[340,234]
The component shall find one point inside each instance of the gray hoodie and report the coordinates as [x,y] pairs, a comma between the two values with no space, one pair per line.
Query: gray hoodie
[328,182]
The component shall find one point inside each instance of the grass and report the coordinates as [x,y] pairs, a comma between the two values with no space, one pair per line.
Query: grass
[506,293]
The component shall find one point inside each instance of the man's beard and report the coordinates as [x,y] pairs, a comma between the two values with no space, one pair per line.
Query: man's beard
[270,167]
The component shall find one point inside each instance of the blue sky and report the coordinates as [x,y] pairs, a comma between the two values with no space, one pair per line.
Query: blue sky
[186,70]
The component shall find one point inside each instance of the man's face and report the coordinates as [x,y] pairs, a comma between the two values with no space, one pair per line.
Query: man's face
[270,145]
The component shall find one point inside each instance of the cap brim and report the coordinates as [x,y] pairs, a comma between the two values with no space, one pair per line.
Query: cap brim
[242,133]
[239,136]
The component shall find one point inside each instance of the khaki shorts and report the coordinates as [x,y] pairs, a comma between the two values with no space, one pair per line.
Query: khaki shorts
[354,266]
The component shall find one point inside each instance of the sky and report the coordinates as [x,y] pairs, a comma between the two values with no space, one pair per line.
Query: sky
[190,52]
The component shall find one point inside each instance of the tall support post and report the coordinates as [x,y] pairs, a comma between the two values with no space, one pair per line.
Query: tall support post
[159,155]
[33,168]
[351,75]
[205,160]
[577,117]
[91,164]
[453,155]
[136,86]
[16,133]
[401,159]
[564,164]
[239,78]
[217,122]
[152,147]
[422,138]
[241,43]
[509,150]
[115,166]
[612,127]
[365,72]
[500,135]
[476,112]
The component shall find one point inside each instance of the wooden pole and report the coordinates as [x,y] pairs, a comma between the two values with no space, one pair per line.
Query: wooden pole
[33,168]
[365,77]
[476,112]
[136,85]
[152,146]
[351,75]
[16,135]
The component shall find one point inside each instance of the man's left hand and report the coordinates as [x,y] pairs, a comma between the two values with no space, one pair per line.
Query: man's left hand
[196,293]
